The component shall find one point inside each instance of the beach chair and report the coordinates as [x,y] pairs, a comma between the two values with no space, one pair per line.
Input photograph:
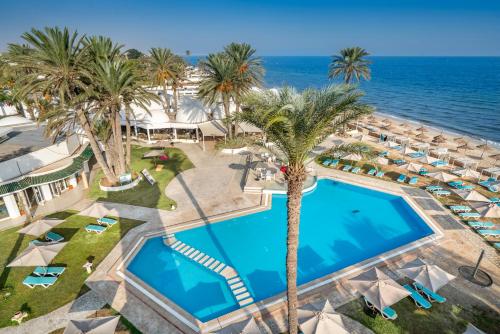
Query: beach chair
[439,163]
[399,162]
[347,168]
[442,193]
[387,313]
[465,187]
[423,171]
[148,176]
[416,155]
[419,300]
[496,245]
[327,162]
[54,237]
[413,180]
[432,188]
[477,224]
[48,271]
[455,184]
[431,295]
[469,215]
[356,170]
[45,281]
[95,228]
[486,183]
[380,173]
[372,172]
[460,208]
[37,242]
[383,154]
[107,221]
[397,148]
[334,163]
[401,178]
[495,200]
[489,233]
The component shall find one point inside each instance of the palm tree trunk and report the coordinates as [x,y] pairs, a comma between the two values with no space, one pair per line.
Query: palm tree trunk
[119,143]
[237,105]
[174,88]
[295,180]
[166,102]
[229,125]
[95,147]
[128,139]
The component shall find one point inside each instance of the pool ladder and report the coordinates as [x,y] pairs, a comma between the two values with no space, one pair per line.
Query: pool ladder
[231,276]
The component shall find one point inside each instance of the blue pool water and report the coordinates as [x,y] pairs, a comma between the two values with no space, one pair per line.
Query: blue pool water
[341,225]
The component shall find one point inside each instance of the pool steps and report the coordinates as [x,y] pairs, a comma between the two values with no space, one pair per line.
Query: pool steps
[236,285]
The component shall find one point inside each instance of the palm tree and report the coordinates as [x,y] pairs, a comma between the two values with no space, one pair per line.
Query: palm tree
[296,123]
[179,75]
[161,71]
[57,63]
[219,83]
[351,64]
[249,70]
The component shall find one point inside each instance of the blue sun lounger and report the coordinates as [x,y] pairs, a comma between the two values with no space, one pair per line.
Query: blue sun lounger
[413,180]
[416,155]
[455,184]
[442,193]
[419,300]
[495,200]
[401,178]
[334,163]
[37,242]
[372,171]
[356,170]
[45,281]
[387,313]
[460,208]
[433,188]
[107,221]
[380,174]
[465,187]
[48,271]
[347,168]
[477,224]
[423,171]
[399,161]
[52,236]
[327,162]
[439,163]
[431,295]
[496,245]
[489,233]
[383,154]
[467,215]
[95,228]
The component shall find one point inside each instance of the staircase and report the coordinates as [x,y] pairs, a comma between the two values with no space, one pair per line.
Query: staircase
[235,283]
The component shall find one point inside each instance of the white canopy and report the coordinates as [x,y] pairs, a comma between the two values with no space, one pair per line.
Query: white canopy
[412,167]
[442,176]
[430,276]
[427,159]
[212,128]
[37,255]
[320,319]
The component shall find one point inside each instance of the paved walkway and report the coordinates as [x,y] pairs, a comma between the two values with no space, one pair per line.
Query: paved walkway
[81,308]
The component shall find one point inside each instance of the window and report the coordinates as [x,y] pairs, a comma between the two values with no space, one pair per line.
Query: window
[3,209]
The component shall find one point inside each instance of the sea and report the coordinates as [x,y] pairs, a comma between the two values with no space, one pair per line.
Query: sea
[458,94]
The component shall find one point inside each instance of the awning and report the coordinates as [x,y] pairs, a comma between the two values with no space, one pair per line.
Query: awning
[248,128]
[213,129]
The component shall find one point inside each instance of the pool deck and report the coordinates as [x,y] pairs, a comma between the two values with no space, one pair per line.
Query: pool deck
[213,191]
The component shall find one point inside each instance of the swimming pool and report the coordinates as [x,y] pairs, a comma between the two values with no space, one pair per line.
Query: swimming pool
[341,225]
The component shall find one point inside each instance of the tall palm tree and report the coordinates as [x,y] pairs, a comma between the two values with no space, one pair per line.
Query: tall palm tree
[350,64]
[161,71]
[179,76]
[219,83]
[249,69]
[296,123]
[57,62]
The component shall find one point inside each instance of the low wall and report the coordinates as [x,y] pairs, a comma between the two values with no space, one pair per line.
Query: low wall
[123,187]
[234,150]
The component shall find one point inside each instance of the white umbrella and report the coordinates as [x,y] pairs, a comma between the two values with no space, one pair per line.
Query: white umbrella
[442,176]
[411,167]
[487,210]
[430,276]
[103,325]
[427,159]
[382,160]
[248,326]
[471,195]
[467,172]
[353,157]
[153,154]
[37,255]
[99,210]
[40,227]
[378,288]
[408,150]
[390,144]
[320,319]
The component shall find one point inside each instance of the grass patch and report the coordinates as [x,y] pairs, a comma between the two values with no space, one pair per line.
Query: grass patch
[145,194]
[441,318]
[81,246]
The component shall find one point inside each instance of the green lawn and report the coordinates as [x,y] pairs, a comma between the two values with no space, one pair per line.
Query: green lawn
[81,246]
[441,318]
[145,194]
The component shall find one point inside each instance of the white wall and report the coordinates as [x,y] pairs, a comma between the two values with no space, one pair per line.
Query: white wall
[6,110]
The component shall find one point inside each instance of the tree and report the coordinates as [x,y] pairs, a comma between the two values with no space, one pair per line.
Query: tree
[249,70]
[57,62]
[161,70]
[296,123]
[218,83]
[188,53]
[133,54]
[179,76]
[350,64]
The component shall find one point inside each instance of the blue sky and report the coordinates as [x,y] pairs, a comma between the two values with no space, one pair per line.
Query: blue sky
[316,27]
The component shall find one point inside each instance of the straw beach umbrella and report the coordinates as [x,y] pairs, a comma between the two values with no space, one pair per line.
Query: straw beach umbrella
[465,147]
[378,288]
[439,139]
[485,147]
[487,210]
[411,167]
[422,129]
[471,195]
[154,154]
[40,227]
[249,326]
[496,157]
[422,136]
[430,276]
[442,176]
[37,255]
[103,325]
[100,210]
[321,319]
